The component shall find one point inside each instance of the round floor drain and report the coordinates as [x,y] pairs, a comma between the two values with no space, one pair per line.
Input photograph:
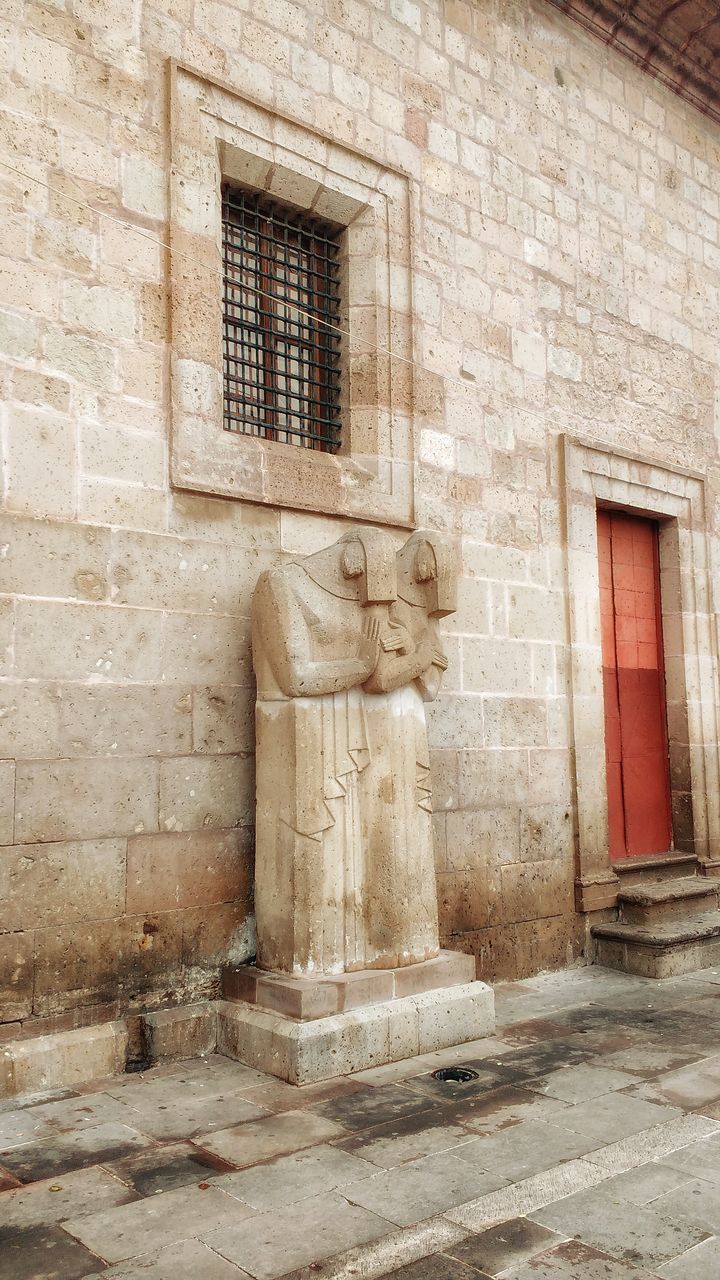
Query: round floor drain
[455,1075]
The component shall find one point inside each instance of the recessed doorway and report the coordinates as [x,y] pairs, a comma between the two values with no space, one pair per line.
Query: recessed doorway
[636,741]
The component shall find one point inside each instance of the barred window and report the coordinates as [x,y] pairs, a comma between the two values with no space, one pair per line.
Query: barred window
[281,357]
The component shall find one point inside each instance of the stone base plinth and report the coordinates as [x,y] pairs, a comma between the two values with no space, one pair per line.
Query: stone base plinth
[339,1044]
[321,997]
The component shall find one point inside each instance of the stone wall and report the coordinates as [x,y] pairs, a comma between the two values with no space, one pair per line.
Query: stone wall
[565,276]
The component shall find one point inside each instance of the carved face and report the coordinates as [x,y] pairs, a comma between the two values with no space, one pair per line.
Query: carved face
[369,558]
[353,560]
[426,568]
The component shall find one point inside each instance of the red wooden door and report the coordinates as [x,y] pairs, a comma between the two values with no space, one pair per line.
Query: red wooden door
[636,749]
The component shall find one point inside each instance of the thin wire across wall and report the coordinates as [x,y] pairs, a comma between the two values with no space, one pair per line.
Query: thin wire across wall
[366,348]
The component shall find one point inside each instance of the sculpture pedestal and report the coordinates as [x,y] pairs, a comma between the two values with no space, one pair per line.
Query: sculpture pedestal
[304,1029]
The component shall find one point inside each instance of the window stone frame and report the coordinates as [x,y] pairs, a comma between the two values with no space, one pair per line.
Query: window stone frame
[596,475]
[218,135]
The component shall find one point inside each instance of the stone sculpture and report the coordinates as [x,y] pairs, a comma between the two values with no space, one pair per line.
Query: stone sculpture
[346,648]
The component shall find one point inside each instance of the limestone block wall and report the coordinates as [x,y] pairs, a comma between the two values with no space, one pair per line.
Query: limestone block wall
[565,275]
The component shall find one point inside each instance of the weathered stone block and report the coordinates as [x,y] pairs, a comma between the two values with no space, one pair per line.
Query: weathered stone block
[54,884]
[67,799]
[215,934]
[206,649]
[117,644]
[546,831]
[303,1052]
[534,890]
[7,801]
[182,1033]
[67,719]
[130,506]
[168,573]
[223,720]
[122,455]
[515,722]
[125,958]
[42,558]
[206,791]
[167,871]
[67,1059]
[482,838]
[40,463]
[16,975]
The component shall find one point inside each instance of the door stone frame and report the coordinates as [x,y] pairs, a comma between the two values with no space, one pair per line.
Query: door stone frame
[595,475]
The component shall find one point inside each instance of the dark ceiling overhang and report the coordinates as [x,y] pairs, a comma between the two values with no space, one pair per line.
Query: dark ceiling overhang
[677,41]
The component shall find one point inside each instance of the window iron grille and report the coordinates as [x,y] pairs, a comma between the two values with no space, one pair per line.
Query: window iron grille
[281,357]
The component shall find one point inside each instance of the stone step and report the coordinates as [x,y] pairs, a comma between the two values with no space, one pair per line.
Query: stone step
[661,900]
[666,866]
[662,950]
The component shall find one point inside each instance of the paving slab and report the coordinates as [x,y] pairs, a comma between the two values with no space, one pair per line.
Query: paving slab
[190,1260]
[365,1177]
[700,1263]
[521,1198]
[506,1106]
[634,1233]
[272,1244]
[697,1201]
[275,1135]
[147,1225]
[287,1179]
[31,1124]
[31,1253]
[615,1116]
[663,1140]
[7,1181]
[390,1145]
[691,1086]
[422,1188]
[67,1151]
[439,1267]
[173,1118]
[576,1261]
[648,1060]
[645,1183]
[700,1159]
[504,1246]
[402,1246]
[372,1106]
[583,1082]
[167,1167]
[276,1095]
[525,1149]
[71,1196]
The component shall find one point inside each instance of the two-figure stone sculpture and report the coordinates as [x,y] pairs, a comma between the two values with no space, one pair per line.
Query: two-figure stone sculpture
[346,649]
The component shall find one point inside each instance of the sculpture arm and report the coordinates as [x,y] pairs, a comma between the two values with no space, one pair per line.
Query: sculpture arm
[281,627]
[393,671]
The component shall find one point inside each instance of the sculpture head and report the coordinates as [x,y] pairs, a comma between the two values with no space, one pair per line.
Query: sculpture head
[426,573]
[368,556]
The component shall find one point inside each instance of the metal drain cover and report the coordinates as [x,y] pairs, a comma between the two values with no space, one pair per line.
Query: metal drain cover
[455,1075]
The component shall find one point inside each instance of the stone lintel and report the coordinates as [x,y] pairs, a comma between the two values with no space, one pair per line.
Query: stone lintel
[309,998]
[305,1052]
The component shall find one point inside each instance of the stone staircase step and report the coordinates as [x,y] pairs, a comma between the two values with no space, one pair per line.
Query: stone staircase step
[666,866]
[661,900]
[662,950]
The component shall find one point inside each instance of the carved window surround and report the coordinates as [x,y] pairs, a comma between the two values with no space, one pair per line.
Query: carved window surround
[217,135]
[593,476]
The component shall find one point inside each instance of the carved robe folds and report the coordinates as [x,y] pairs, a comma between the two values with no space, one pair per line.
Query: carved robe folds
[345,648]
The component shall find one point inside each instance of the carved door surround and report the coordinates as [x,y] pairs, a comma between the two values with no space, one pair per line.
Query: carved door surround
[596,476]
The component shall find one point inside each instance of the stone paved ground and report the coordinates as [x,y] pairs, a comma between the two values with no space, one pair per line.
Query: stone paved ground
[588,1148]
